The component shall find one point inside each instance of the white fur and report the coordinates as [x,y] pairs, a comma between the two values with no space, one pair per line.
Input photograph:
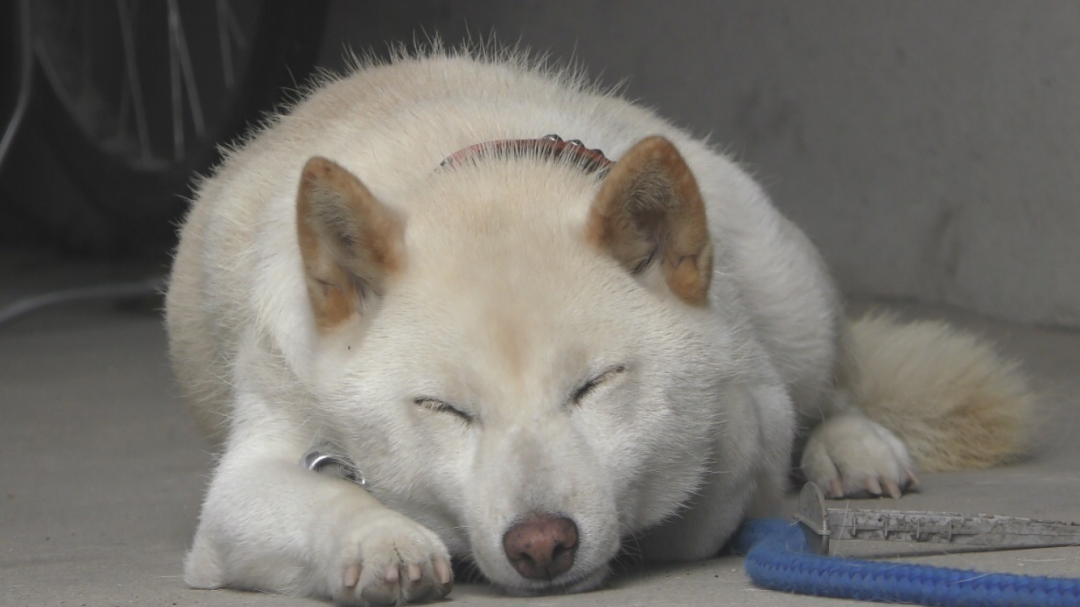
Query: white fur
[503,311]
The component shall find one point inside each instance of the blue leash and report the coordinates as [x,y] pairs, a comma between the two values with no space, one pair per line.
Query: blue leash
[779,557]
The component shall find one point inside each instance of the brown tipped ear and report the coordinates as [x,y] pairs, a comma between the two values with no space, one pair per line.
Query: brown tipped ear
[649,212]
[350,243]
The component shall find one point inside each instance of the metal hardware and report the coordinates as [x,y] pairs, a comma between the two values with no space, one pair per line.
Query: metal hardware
[825,525]
[318,460]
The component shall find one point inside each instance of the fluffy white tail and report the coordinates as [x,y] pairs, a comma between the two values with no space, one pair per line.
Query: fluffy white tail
[948,395]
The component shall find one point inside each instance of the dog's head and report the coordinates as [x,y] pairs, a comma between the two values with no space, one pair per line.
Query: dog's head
[520,355]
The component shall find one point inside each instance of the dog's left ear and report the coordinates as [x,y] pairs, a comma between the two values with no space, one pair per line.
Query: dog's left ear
[649,212]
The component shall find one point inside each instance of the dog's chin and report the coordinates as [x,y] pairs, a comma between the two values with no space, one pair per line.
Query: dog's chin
[579,583]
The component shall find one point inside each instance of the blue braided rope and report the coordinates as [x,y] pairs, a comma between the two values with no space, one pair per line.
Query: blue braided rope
[778,557]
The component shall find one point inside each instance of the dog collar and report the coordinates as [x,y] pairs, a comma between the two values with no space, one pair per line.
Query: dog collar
[548,146]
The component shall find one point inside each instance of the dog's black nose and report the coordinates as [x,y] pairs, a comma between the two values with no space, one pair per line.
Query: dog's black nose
[542,546]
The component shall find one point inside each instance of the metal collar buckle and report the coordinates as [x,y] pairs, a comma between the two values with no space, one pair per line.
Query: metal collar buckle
[322,461]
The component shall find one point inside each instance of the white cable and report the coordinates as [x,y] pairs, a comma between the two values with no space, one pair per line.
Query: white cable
[116,290]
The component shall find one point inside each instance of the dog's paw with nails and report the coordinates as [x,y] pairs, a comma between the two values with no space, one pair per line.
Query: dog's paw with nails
[388,559]
[852,456]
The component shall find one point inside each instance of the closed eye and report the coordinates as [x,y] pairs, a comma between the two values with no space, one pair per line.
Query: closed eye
[583,391]
[442,407]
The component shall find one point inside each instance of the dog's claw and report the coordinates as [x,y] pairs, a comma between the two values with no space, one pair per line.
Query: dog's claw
[352,575]
[442,571]
[390,574]
[892,489]
[873,486]
[911,478]
[836,489]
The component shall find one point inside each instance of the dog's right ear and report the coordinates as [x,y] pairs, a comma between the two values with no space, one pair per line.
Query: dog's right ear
[350,243]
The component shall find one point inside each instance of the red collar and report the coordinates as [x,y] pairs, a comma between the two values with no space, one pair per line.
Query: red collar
[548,146]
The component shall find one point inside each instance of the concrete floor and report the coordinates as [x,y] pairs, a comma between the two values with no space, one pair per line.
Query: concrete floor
[101,470]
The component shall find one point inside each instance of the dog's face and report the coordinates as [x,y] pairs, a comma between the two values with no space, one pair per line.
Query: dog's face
[528,368]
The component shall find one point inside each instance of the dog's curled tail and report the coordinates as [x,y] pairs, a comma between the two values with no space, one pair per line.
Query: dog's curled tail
[949,395]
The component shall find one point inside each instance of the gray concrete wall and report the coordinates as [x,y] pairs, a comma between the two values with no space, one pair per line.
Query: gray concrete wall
[931,150]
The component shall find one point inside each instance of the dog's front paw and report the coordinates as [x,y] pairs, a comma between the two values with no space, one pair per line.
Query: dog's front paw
[849,455]
[385,558]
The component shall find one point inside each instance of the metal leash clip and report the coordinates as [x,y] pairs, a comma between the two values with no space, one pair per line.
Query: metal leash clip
[322,460]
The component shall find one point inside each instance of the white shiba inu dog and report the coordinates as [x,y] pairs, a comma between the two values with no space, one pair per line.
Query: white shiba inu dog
[533,350]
